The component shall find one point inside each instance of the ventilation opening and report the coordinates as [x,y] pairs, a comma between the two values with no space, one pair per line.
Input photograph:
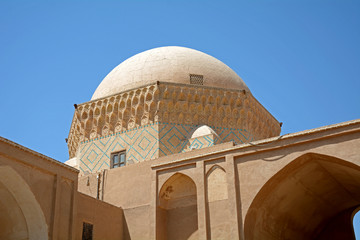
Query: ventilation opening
[196,79]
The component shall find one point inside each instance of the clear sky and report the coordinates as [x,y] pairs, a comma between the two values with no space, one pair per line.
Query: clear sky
[300,59]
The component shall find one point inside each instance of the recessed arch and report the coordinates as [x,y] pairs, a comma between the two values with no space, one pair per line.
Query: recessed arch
[216,184]
[213,168]
[217,203]
[307,199]
[177,209]
[28,210]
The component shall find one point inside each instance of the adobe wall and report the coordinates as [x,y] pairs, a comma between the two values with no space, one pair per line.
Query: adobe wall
[227,178]
[35,180]
[254,170]
[107,220]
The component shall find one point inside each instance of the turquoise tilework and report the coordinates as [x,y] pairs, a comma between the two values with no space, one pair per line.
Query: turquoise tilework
[140,144]
[150,142]
[173,138]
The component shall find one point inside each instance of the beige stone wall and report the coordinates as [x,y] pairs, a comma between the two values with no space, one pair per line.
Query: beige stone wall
[39,199]
[41,188]
[229,182]
[107,220]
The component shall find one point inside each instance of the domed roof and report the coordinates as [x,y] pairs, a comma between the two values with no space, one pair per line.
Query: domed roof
[203,131]
[168,64]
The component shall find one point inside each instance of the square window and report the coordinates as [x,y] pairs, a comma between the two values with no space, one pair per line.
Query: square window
[118,159]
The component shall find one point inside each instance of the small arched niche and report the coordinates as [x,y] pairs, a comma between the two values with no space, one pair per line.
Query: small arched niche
[216,184]
[217,203]
[177,217]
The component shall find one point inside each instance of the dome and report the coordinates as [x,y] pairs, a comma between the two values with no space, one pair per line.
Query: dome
[168,64]
[202,131]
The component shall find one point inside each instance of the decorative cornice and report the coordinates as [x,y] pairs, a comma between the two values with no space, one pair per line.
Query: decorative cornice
[171,103]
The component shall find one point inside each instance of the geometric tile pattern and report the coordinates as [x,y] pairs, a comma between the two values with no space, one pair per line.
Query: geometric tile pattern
[140,144]
[174,138]
[149,142]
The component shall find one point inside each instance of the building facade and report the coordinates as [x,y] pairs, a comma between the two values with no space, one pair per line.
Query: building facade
[173,145]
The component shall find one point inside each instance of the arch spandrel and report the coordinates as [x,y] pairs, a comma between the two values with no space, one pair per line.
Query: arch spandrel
[303,198]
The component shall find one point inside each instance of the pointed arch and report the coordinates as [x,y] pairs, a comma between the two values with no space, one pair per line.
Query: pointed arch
[24,200]
[122,105]
[148,97]
[135,101]
[109,108]
[306,199]
[216,184]
[177,208]
[177,186]
[217,205]
[181,96]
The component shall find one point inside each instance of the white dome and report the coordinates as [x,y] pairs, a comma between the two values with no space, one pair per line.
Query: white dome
[168,64]
[202,131]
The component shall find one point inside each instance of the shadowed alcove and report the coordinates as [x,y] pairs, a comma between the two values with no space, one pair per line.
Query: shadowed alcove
[177,217]
[313,197]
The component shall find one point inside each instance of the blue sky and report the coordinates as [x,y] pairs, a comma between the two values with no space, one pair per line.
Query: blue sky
[300,59]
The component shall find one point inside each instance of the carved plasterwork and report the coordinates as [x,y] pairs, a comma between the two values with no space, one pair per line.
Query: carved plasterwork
[170,103]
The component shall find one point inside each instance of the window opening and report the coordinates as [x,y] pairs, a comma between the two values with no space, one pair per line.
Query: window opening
[87,233]
[118,159]
[196,79]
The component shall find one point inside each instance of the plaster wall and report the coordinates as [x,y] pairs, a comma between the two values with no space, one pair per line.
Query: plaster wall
[52,185]
[107,220]
[228,178]
[254,170]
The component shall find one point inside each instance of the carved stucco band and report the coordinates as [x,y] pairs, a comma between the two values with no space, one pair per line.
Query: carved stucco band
[170,103]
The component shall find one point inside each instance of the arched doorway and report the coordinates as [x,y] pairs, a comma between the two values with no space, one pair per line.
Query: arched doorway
[21,216]
[313,197]
[177,209]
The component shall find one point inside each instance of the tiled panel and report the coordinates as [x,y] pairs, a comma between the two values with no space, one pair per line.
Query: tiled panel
[174,138]
[140,144]
[150,142]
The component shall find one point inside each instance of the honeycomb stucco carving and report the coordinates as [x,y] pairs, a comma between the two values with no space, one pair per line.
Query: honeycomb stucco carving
[170,103]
